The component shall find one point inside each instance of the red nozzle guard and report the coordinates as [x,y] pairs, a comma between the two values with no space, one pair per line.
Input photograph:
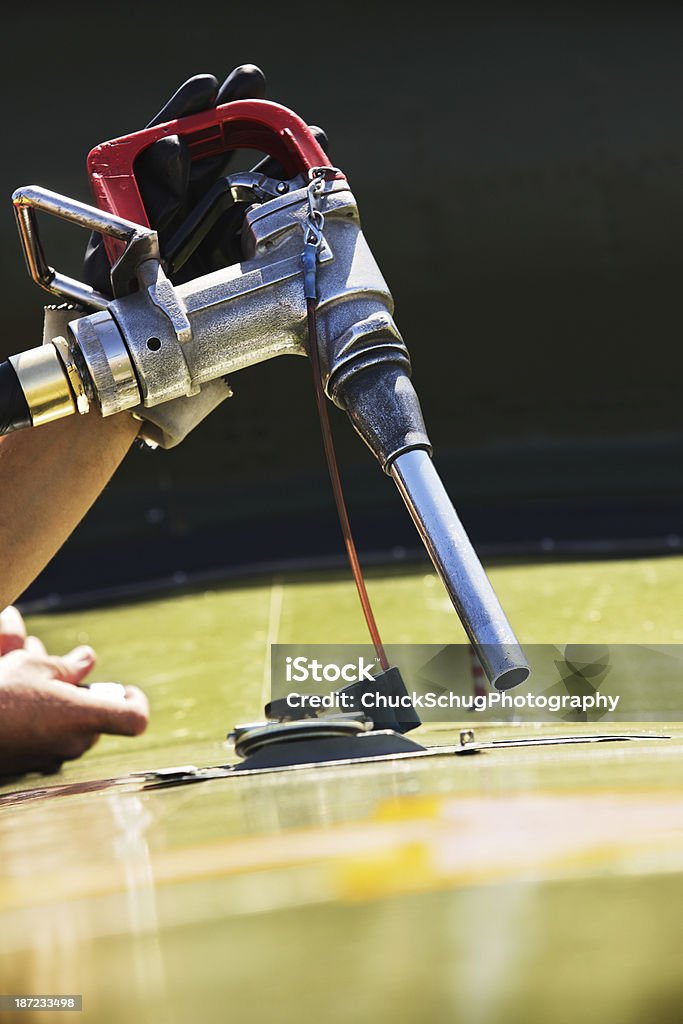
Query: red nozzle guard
[243,124]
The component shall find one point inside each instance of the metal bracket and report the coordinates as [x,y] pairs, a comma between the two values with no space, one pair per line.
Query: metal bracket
[241,187]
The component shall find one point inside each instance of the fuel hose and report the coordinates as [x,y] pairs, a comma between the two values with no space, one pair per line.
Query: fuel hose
[14,410]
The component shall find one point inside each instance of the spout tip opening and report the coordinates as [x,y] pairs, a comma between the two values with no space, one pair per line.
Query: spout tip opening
[512,677]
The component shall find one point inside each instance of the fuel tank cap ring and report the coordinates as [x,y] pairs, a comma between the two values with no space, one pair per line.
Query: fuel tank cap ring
[250,738]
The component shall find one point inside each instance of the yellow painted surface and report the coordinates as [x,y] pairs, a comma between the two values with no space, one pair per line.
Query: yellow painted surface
[537,885]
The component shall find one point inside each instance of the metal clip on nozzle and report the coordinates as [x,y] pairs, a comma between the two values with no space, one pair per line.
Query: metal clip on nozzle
[154,342]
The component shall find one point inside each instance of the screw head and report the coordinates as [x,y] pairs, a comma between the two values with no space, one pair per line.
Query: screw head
[282,188]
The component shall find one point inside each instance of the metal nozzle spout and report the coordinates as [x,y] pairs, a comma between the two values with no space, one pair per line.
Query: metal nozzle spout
[461,571]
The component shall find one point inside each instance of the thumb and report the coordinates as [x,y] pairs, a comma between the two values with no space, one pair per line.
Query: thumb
[74,666]
[12,630]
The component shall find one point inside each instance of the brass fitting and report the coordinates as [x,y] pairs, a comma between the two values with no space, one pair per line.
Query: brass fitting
[45,383]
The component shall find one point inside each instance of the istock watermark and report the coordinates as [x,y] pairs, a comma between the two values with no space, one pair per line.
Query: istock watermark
[303,669]
[568,683]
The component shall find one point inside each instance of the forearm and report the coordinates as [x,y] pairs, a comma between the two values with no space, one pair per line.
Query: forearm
[49,478]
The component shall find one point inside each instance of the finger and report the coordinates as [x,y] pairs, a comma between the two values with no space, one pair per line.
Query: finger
[163,173]
[168,169]
[197,93]
[320,136]
[137,709]
[12,630]
[74,666]
[247,82]
[200,93]
[117,717]
[34,645]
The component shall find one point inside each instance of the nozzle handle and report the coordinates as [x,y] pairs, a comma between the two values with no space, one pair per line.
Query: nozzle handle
[242,124]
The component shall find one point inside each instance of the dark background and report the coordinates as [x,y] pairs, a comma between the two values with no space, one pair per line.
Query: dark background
[520,177]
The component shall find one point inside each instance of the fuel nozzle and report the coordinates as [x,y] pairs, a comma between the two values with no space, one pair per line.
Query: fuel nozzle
[154,342]
[369,378]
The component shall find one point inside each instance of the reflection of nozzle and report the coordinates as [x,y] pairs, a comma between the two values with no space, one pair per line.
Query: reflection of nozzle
[45,384]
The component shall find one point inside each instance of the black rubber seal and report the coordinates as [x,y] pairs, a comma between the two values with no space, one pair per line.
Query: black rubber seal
[14,411]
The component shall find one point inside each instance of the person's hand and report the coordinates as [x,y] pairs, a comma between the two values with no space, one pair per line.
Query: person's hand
[171,183]
[46,716]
